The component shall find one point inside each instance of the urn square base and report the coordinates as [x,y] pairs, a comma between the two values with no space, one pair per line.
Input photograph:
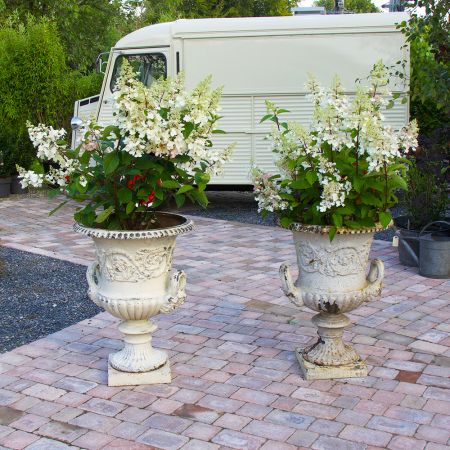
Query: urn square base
[314,372]
[118,378]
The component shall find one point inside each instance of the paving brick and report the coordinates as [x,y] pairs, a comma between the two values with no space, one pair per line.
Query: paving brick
[128,430]
[105,407]
[28,422]
[133,414]
[44,392]
[268,430]
[95,422]
[138,399]
[166,422]
[201,431]
[252,396]
[232,421]
[328,427]
[433,434]
[410,415]
[9,415]
[238,440]
[365,436]
[332,443]
[61,431]
[290,419]
[196,412]
[405,443]
[93,440]
[353,418]
[313,395]
[48,444]
[162,439]
[18,440]
[195,444]
[394,426]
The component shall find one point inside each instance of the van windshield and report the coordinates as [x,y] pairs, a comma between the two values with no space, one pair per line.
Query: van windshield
[149,66]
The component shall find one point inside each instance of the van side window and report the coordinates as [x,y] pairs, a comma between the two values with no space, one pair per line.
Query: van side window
[149,66]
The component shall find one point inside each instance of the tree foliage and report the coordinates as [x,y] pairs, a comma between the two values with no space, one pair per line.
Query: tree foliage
[85,27]
[429,37]
[356,6]
[37,85]
[168,10]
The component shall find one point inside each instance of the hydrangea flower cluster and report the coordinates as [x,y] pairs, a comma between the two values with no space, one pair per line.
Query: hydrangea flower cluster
[159,151]
[344,169]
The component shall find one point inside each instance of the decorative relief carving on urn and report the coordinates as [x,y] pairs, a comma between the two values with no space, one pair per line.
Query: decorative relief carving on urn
[144,264]
[332,261]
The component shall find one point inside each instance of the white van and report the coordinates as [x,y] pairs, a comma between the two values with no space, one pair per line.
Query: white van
[257,59]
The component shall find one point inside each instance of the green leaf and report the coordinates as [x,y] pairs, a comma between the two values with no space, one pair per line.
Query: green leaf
[104,214]
[385,218]
[301,183]
[111,162]
[311,177]
[332,233]
[184,189]
[266,117]
[170,184]
[396,181]
[188,127]
[130,207]
[179,200]
[285,222]
[125,195]
[219,132]
[200,198]
[52,193]
[281,111]
[337,220]
[57,208]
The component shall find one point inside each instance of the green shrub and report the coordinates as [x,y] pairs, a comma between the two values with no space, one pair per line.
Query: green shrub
[36,85]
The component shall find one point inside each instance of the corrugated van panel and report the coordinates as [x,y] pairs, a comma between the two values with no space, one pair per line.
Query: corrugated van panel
[263,155]
[237,114]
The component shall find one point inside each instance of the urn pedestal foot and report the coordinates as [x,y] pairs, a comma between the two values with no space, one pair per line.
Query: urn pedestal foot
[119,378]
[315,372]
[330,357]
[138,362]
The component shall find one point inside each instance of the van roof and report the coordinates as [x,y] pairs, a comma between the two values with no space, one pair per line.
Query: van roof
[161,34]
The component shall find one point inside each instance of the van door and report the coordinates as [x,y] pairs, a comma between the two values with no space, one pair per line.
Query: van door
[150,64]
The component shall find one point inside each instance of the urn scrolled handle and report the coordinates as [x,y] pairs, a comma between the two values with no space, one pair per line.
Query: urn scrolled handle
[375,275]
[291,291]
[177,292]
[90,276]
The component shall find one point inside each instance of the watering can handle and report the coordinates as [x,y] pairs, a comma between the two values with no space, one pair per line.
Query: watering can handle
[432,223]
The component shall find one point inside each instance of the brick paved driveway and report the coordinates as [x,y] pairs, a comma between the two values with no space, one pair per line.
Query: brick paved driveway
[236,382]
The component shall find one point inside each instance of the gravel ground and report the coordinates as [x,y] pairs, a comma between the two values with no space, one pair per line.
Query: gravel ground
[241,207]
[39,296]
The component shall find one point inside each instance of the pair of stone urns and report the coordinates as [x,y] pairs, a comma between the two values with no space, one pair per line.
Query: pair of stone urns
[132,279]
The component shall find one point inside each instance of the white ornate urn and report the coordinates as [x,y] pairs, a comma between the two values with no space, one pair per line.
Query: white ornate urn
[132,280]
[332,280]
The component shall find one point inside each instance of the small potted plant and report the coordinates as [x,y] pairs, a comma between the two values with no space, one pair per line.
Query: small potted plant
[338,178]
[123,175]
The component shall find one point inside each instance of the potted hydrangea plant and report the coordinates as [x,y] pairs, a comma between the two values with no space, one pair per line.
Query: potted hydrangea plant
[158,151]
[337,181]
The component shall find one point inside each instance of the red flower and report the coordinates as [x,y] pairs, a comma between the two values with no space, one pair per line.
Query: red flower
[67,178]
[132,182]
[150,199]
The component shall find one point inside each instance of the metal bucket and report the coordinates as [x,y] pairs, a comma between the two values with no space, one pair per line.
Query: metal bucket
[408,243]
[434,261]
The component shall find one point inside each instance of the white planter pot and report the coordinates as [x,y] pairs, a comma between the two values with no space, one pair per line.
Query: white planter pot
[131,279]
[332,280]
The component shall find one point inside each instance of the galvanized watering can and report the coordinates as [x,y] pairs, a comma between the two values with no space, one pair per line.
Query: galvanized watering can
[433,258]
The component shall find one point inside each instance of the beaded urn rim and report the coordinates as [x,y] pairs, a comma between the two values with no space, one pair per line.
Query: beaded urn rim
[185,226]
[324,229]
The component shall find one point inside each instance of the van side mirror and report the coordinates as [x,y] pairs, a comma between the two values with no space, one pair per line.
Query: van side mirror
[76,123]
[101,62]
